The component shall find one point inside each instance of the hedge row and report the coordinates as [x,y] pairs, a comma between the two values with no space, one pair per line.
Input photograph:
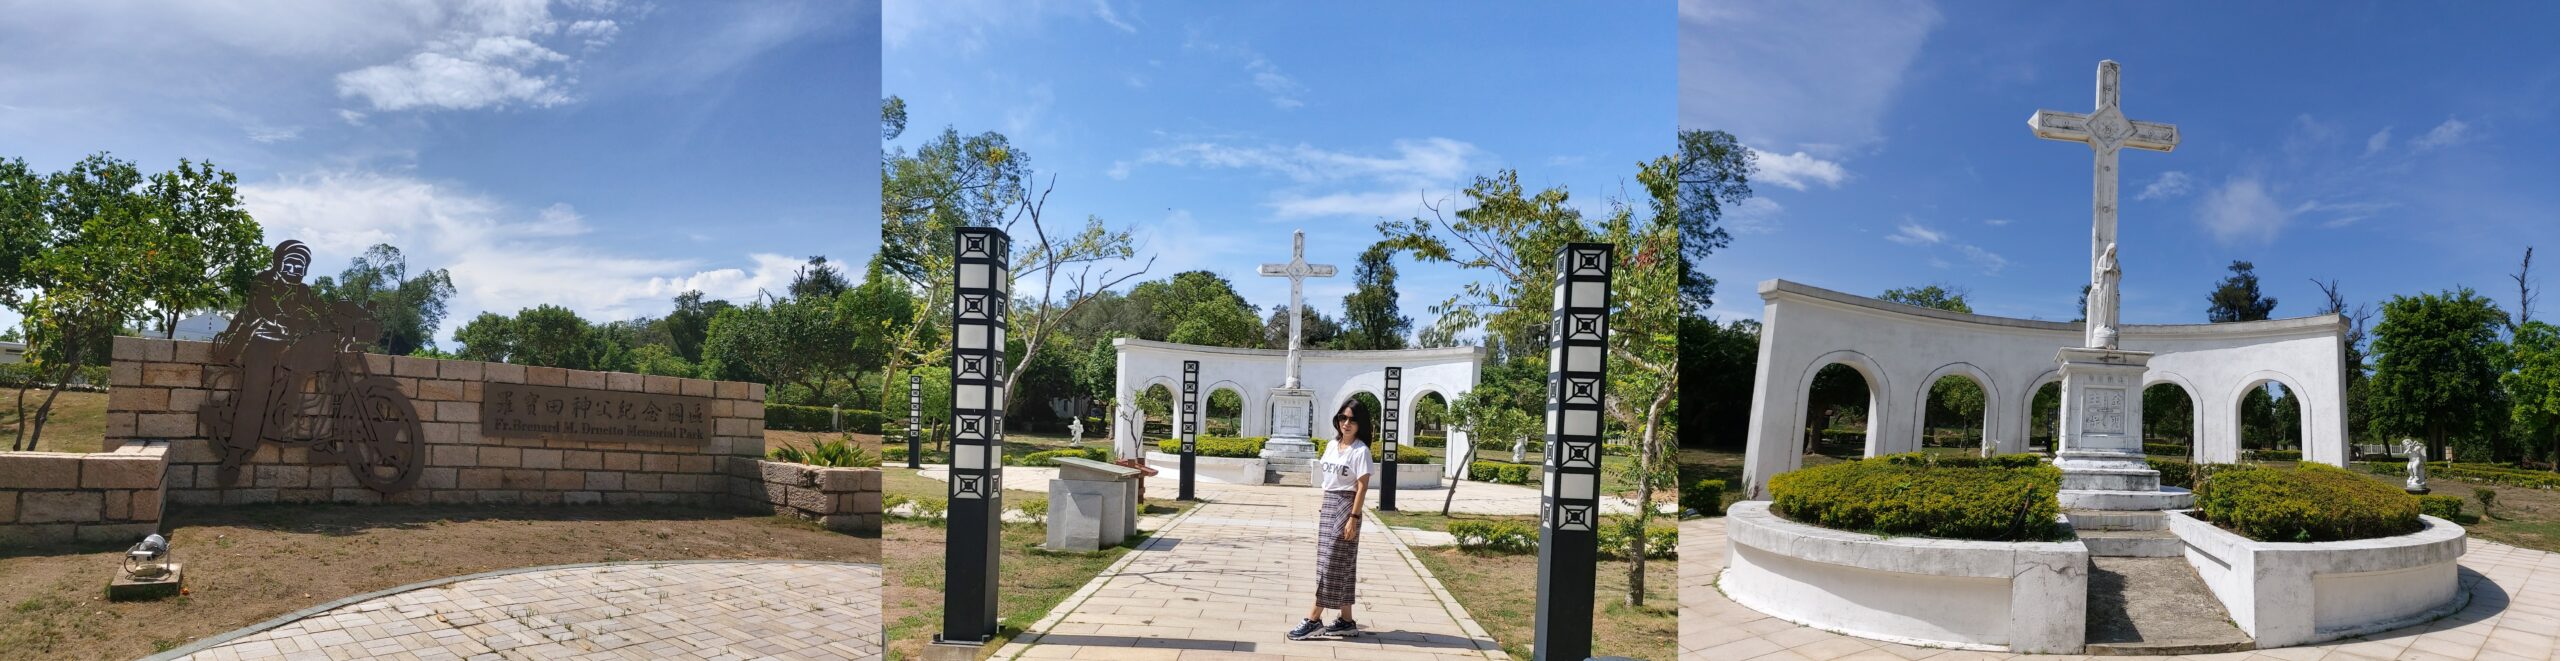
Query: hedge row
[1706,497]
[1522,537]
[1502,472]
[2471,472]
[2002,498]
[819,418]
[2164,449]
[1378,453]
[2309,502]
[2272,455]
[1430,441]
[1050,457]
[2442,507]
[91,378]
[1217,446]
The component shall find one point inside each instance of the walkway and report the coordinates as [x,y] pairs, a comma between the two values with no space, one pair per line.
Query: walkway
[637,610]
[1228,578]
[1472,497]
[2513,616]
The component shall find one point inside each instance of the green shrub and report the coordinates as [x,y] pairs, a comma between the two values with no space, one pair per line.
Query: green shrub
[1502,472]
[889,503]
[1050,457]
[1706,497]
[1998,499]
[2488,474]
[819,418]
[2272,455]
[932,508]
[1430,441]
[2174,473]
[2488,498]
[1659,541]
[2164,449]
[2442,507]
[1378,453]
[2310,502]
[1495,536]
[1217,446]
[837,453]
[1923,459]
[1035,508]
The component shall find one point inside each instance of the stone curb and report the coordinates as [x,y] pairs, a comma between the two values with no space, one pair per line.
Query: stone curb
[289,618]
[1485,644]
[1014,648]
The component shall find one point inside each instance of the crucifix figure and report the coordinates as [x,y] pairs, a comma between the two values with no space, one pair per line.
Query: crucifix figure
[1297,271]
[2105,131]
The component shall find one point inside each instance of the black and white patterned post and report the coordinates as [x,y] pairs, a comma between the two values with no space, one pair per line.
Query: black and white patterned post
[1577,378]
[977,437]
[1387,480]
[915,421]
[1190,424]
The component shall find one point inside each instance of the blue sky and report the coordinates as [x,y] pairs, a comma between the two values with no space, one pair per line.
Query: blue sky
[1213,131]
[2396,148]
[598,154]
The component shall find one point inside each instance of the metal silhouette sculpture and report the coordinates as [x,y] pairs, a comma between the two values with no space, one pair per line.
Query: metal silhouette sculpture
[302,380]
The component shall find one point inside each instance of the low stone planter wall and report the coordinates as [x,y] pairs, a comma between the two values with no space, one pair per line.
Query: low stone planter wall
[1997,596]
[843,499]
[59,497]
[1221,470]
[1408,476]
[2290,594]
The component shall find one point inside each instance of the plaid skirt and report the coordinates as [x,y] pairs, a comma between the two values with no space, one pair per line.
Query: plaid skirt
[1337,559]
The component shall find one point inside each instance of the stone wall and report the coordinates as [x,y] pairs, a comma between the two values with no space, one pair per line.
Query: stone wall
[158,386]
[58,497]
[844,499]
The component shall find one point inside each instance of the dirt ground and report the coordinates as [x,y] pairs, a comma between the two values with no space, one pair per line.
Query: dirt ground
[247,564]
[78,422]
[1499,593]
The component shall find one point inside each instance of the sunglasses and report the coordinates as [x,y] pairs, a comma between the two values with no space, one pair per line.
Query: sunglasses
[1339,419]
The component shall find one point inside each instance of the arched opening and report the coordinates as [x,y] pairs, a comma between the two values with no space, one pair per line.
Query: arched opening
[2044,419]
[1952,419]
[2168,421]
[1224,415]
[1155,403]
[1837,412]
[2270,417]
[1430,412]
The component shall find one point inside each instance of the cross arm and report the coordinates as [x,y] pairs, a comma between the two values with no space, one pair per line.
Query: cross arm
[2153,136]
[1274,270]
[2058,125]
[1320,270]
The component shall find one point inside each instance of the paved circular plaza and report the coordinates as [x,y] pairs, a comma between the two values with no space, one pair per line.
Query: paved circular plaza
[2514,615]
[718,609]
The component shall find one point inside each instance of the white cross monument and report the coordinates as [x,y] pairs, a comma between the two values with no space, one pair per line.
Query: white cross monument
[1293,407]
[2101,455]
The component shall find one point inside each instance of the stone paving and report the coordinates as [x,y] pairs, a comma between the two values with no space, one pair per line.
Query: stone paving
[1472,497]
[2514,616]
[688,610]
[1227,579]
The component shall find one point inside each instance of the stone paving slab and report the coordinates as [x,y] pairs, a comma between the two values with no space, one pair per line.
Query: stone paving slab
[2514,615]
[635,610]
[1486,498]
[1227,579]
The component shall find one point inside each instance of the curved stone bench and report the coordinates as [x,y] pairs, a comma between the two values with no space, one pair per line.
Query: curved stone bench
[2286,594]
[1993,596]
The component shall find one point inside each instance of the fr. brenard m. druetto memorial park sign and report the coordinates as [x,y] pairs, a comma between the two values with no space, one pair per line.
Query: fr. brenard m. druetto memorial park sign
[519,410]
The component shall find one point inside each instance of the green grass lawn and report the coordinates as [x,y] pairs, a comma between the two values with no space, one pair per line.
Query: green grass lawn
[78,422]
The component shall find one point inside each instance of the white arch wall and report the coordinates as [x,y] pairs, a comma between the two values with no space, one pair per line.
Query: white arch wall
[1333,375]
[1902,349]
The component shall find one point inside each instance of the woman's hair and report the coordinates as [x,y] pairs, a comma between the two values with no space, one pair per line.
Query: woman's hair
[1360,416]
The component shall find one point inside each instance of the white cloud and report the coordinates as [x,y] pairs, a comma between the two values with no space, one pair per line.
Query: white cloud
[2242,211]
[353,118]
[273,134]
[1799,169]
[1380,204]
[2381,140]
[1421,161]
[1282,90]
[502,259]
[437,80]
[2170,184]
[1997,222]
[2451,132]
[1758,215]
[1102,10]
[483,55]
[1915,234]
[1782,73]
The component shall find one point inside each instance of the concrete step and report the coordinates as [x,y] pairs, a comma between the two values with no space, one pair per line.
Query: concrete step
[2133,544]
[2099,479]
[2086,520]
[2156,607]
[2166,498]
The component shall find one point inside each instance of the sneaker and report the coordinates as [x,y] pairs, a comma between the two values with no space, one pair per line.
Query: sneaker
[1343,628]
[1306,628]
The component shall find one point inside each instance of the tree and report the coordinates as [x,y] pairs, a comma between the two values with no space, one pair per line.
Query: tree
[2436,370]
[544,335]
[801,341]
[2359,376]
[1938,297]
[408,309]
[1717,365]
[208,247]
[1223,322]
[690,322]
[2236,298]
[86,250]
[1315,330]
[1713,171]
[818,279]
[880,310]
[2524,292]
[2533,387]
[1370,317]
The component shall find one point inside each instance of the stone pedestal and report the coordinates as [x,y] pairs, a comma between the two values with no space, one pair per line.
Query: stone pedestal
[2102,464]
[940,650]
[1289,455]
[127,588]
[1092,505]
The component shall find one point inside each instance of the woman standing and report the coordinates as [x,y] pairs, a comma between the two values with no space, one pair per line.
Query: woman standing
[1343,474]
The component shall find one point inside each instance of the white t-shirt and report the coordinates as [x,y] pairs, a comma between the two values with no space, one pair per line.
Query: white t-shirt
[1343,466]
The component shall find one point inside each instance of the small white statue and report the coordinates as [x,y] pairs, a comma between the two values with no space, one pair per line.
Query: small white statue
[1075,432]
[2417,453]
